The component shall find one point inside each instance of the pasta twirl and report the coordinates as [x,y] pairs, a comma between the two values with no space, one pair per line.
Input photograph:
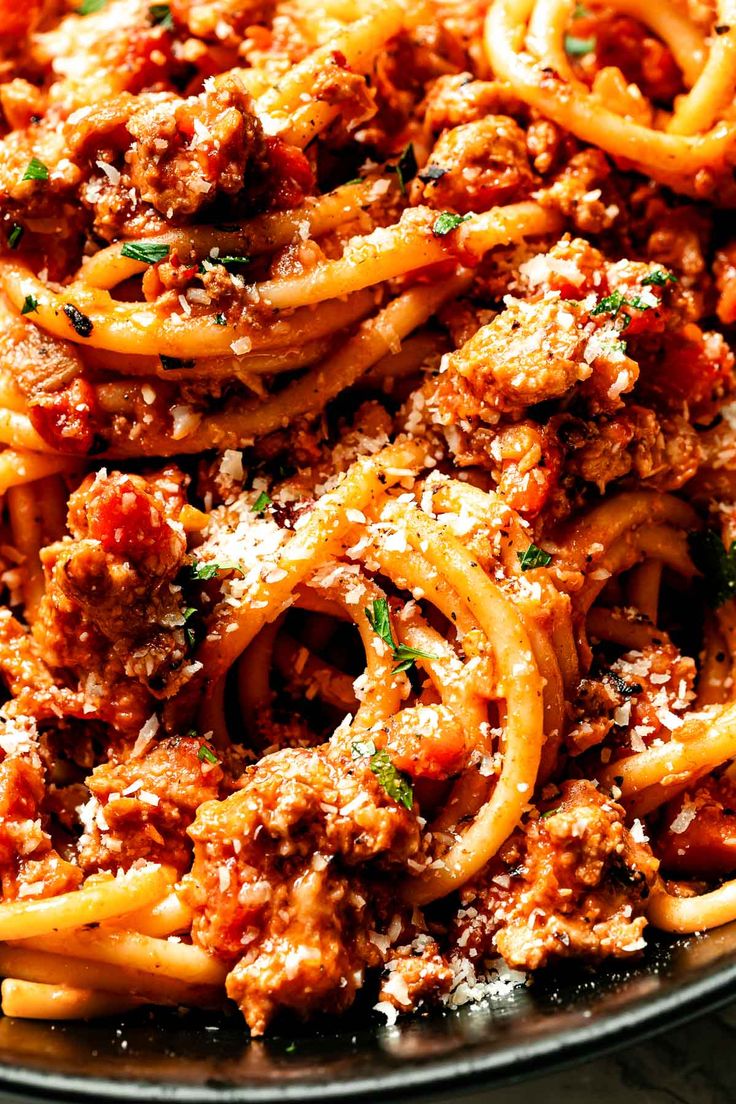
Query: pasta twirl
[367,498]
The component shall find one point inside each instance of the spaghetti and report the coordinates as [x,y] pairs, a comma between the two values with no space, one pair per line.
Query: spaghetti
[368,497]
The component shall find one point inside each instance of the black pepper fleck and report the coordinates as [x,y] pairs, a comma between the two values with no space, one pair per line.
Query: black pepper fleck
[81,323]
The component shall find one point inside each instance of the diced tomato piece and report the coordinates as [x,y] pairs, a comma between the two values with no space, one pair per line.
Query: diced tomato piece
[126,518]
[290,173]
[690,367]
[702,842]
[435,751]
[17,20]
[67,419]
[625,44]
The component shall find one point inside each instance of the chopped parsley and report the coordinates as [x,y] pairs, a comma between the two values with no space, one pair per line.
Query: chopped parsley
[16,233]
[30,304]
[260,503]
[579,47]
[220,320]
[172,364]
[638,303]
[362,748]
[534,556]
[355,180]
[232,259]
[549,813]
[205,755]
[189,634]
[396,784]
[658,278]
[89,7]
[160,16]
[146,252]
[35,170]
[717,565]
[380,622]
[446,222]
[206,571]
[612,304]
[405,168]
[80,322]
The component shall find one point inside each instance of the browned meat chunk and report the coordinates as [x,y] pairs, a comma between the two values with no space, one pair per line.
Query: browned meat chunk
[573,884]
[188,153]
[417,975]
[665,452]
[531,352]
[29,866]
[141,808]
[111,606]
[221,20]
[478,165]
[282,882]
[456,98]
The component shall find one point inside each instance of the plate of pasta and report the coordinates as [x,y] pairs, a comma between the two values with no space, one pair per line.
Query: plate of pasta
[367,529]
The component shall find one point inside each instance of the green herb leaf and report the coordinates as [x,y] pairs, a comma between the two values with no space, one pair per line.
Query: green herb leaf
[189,633]
[35,170]
[610,304]
[206,756]
[89,7]
[578,47]
[16,233]
[717,565]
[160,16]
[147,252]
[220,320]
[396,784]
[534,556]
[355,180]
[581,12]
[446,222]
[405,657]
[380,622]
[260,503]
[405,168]
[549,813]
[205,571]
[30,304]
[231,259]
[362,748]
[658,278]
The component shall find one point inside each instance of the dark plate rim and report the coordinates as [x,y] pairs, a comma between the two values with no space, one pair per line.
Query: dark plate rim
[644,1017]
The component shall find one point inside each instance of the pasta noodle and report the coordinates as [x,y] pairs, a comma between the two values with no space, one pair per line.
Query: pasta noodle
[367,497]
